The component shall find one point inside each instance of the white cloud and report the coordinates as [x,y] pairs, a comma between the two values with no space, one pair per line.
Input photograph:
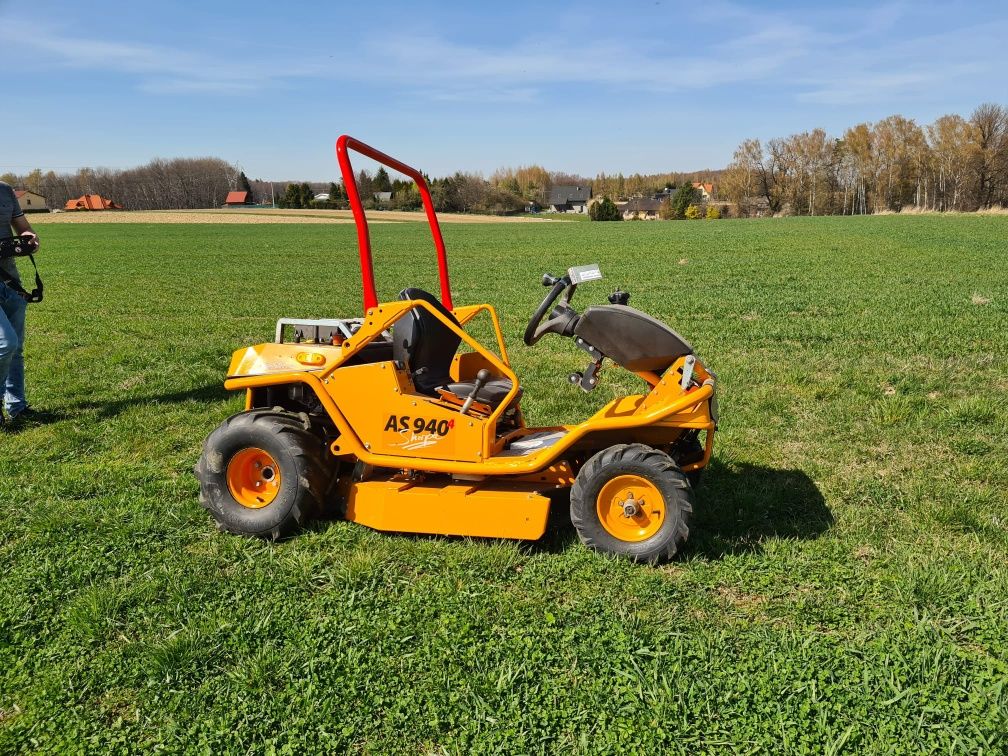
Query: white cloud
[156,68]
[826,55]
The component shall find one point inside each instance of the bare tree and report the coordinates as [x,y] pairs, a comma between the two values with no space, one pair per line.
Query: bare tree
[990,158]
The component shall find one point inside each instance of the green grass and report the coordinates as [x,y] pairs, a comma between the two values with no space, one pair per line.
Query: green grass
[845,587]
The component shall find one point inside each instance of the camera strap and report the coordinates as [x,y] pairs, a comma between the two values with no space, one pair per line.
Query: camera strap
[12,249]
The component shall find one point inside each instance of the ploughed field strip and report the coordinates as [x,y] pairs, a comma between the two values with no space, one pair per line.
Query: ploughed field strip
[267,215]
[844,578]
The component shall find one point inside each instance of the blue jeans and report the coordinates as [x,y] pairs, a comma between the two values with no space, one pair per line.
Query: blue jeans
[12,327]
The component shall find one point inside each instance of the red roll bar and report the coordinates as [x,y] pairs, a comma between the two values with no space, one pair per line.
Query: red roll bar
[343,145]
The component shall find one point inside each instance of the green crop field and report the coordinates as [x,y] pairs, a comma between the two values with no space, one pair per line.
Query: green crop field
[844,589]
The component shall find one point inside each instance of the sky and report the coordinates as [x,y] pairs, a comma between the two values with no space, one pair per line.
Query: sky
[628,86]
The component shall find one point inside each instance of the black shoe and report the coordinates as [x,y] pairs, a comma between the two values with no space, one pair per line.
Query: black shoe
[27,416]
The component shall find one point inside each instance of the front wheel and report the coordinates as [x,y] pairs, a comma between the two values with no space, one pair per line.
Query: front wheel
[632,501]
[262,473]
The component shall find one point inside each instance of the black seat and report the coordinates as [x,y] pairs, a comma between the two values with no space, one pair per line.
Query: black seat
[492,392]
[427,346]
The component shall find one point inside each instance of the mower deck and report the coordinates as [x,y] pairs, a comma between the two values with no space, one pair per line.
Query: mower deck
[493,507]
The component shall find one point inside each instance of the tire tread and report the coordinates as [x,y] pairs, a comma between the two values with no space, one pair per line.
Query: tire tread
[582,512]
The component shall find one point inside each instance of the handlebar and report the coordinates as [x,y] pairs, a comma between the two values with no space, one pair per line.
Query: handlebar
[533,331]
[343,146]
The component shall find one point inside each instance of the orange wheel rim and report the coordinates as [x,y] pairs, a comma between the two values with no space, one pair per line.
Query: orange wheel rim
[253,478]
[630,508]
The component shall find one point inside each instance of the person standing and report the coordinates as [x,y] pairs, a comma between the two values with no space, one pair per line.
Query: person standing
[12,310]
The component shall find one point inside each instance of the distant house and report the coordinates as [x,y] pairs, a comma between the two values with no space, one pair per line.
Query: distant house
[755,207]
[92,202]
[643,209]
[237,199]
[570,199]
[706,190]
[31,202]
[323,197]
[382,196]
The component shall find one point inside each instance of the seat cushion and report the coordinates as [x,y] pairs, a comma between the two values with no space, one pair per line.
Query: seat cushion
[492,393]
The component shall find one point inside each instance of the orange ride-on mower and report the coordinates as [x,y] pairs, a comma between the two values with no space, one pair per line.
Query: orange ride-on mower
[385,421]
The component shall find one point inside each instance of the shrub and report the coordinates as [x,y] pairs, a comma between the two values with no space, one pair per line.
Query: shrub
[713,213]
[692,212]
[604,210]
[665,209]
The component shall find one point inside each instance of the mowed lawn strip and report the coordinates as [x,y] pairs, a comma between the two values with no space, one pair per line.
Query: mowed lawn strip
[845,585]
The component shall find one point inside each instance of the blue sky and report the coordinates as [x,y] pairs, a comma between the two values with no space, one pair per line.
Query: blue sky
[615,86]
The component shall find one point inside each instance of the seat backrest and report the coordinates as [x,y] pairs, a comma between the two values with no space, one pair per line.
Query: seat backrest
[424,343]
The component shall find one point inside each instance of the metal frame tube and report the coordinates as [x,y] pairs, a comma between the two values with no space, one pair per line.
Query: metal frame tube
[343,146]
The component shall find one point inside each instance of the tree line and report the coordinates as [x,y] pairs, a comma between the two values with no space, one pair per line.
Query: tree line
[952,164]
[180,183]
[196,183]
[533,183]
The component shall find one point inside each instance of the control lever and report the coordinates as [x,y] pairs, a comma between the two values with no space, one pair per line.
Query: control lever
[588,379]
[687,372]
[481,378]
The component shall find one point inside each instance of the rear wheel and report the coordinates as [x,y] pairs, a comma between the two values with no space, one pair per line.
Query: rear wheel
[632,501]
[263,473]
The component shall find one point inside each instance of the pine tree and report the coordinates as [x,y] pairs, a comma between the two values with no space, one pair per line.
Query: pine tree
[684,197]
[382,183]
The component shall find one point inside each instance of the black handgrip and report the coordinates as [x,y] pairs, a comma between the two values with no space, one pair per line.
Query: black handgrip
[549,280]
[481,378]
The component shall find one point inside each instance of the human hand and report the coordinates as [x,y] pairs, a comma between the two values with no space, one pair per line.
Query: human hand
[32,238]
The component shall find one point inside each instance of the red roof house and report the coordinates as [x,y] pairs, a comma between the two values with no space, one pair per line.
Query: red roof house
[237,198]
[706,190]
[92,202]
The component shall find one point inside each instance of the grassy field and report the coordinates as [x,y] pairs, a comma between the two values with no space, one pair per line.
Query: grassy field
[845,588]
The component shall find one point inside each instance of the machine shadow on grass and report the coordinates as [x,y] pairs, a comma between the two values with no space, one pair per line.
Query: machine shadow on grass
[214,392]
[737,509]
[741,506]
[108,409]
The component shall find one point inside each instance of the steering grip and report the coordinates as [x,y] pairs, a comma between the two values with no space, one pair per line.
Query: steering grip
[532,331]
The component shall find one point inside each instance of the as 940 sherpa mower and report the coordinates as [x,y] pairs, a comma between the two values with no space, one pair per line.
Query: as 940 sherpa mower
[383,420]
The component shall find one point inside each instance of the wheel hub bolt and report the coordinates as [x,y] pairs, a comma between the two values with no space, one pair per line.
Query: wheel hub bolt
[630,508]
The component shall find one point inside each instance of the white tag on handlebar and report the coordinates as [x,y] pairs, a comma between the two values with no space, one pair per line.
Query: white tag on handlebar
[583,273]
